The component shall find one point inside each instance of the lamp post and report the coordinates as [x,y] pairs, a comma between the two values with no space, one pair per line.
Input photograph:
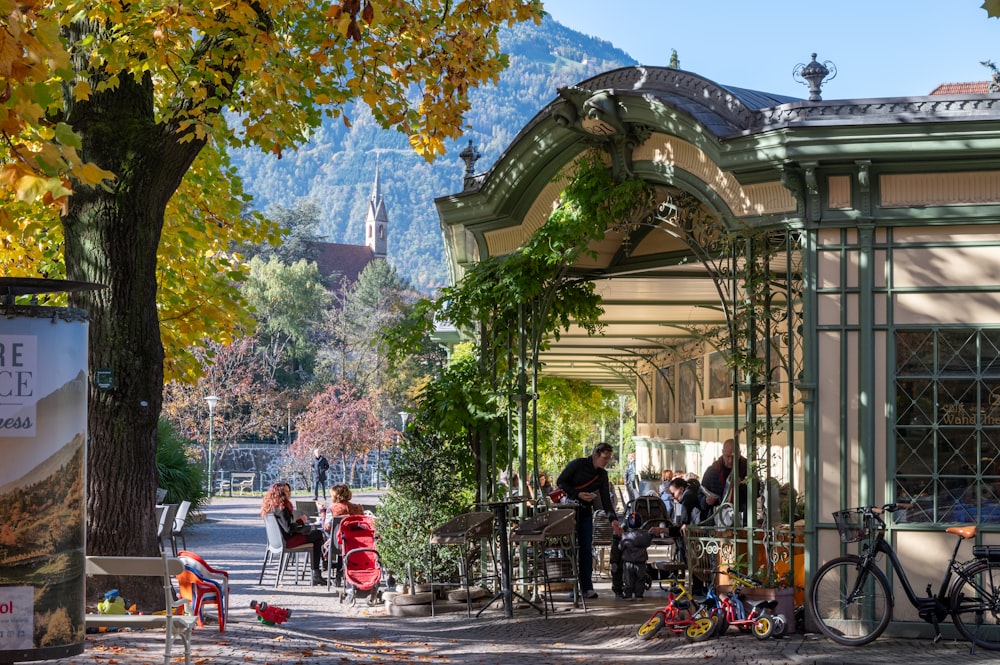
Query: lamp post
[212,401]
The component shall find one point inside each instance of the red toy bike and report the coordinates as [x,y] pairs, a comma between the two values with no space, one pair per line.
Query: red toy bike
[677,615]
[270,615]
[761,618]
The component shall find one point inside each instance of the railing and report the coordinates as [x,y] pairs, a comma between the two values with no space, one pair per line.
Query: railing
[780,550]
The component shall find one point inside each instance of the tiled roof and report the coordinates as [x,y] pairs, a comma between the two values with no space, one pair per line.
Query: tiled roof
[974,88]
[336,261]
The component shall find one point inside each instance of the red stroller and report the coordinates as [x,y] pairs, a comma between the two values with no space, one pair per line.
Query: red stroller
[361,567]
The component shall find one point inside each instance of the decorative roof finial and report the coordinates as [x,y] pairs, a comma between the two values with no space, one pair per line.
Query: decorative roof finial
[814,75]
[470,156]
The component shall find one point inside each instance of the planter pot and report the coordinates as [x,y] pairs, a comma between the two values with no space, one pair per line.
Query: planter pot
[785,598]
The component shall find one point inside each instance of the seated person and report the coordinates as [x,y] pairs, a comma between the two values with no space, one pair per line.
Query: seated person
[295,532]
[340,505]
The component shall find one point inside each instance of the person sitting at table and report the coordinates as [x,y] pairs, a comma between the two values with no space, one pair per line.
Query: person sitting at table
[295,532]
[340,505]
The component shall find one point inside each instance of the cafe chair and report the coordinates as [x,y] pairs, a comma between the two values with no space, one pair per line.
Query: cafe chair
[178,530]
[277,551]
[463,532]
[551,538]
[165,527]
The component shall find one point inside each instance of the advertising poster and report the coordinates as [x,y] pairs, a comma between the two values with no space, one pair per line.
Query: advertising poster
[43,428]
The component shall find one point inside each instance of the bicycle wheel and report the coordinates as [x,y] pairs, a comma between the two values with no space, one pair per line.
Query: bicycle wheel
[650,628]
[975,604]
[702,629]
[780,626]
[849,603]
[763,627]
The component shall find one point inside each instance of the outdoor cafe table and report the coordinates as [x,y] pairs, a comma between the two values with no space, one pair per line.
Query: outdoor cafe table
[506,592]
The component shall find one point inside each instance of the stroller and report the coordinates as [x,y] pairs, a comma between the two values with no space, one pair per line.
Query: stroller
[653,512]
[361,568]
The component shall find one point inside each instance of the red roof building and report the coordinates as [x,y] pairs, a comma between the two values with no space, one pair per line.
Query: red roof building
[342,264]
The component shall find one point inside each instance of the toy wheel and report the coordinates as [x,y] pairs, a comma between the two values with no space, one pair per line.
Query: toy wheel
[650,628]
[352,600]
[702,629]
[780,626]
[763,627]
[723,624]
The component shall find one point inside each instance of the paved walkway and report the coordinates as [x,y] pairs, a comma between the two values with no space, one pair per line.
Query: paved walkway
[323,630]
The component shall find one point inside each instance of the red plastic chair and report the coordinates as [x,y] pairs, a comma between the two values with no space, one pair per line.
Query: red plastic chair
[203,585]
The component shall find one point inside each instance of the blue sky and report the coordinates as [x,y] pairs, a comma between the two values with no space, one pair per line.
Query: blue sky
[881,48]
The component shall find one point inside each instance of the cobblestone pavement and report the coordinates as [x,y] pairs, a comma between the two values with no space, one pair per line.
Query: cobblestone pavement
[324,630]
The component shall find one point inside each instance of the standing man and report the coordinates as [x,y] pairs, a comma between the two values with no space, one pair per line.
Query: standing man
[320,467]
[716,485]
[631,478]
[584,480]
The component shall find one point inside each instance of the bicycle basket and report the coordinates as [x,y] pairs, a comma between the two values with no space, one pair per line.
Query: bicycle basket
[850,525]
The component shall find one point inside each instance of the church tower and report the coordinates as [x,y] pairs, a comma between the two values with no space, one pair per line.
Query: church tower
[377,221]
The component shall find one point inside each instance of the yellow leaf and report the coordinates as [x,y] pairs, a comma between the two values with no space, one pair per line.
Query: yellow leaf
[82,91]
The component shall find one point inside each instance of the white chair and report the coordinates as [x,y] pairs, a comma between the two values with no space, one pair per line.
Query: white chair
[166,524]
[276,550]
[178,531]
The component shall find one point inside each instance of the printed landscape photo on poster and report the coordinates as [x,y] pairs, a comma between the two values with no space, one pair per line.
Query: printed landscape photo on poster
[720,381]
[664,394]
[687,391]
[642,398]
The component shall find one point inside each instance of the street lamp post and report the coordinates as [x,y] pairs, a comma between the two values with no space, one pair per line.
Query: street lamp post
[212,401]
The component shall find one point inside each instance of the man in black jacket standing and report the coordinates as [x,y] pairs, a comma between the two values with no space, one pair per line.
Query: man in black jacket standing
[584,480]
[320,467]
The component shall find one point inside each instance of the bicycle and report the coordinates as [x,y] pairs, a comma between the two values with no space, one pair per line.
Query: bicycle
[851,599]
[678,617]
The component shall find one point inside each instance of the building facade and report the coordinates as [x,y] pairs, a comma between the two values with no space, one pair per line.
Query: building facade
[877,223]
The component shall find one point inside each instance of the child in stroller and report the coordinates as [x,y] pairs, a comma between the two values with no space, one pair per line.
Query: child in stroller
[361,567]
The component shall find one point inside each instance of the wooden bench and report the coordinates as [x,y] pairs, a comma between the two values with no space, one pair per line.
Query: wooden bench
[163,567]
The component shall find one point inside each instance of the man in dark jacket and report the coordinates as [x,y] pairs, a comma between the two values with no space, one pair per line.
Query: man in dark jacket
[717,479]
[320,467]
[584,480]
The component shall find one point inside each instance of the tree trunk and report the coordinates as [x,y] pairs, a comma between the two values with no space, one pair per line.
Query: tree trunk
[112,236]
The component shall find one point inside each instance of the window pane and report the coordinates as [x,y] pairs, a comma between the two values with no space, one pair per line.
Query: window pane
[958,352]
[914,353]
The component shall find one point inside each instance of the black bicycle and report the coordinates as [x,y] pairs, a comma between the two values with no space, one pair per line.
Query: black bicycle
[851,599]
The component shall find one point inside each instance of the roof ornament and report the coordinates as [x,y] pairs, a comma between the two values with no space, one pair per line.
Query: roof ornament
[814,75]
[599,116]
[470,156]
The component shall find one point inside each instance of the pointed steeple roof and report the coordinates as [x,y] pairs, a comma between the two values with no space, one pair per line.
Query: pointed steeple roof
[377,220]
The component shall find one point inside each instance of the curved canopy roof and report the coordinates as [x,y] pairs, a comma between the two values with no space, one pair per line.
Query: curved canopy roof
[748,157]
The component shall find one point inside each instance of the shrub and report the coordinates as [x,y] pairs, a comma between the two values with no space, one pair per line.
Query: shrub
[425,491]
[181,476]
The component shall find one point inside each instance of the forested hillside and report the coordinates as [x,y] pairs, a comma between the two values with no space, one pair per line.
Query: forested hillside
[336,169]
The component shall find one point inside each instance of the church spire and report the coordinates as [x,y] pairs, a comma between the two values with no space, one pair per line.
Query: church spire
[377,221]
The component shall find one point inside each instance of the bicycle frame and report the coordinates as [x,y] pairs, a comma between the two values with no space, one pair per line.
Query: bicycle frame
[931,608]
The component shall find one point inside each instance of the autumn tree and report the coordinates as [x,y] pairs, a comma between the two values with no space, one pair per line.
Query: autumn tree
[342,424]
[148,90]
[251,405]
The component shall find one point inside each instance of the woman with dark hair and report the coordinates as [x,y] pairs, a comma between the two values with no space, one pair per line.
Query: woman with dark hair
[295,532]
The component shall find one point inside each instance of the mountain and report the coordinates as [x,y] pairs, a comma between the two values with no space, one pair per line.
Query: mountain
[336,168]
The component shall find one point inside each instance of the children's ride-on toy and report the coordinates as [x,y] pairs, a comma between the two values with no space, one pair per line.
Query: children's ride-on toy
[679,616]
[269,614]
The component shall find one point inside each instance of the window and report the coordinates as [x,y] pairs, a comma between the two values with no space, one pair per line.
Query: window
[947,430]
